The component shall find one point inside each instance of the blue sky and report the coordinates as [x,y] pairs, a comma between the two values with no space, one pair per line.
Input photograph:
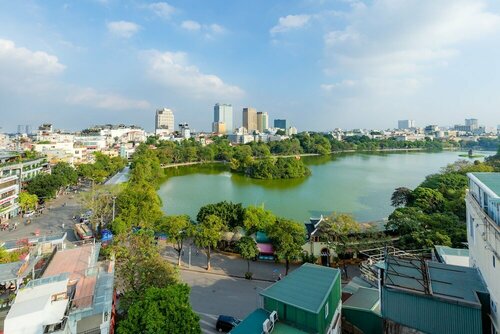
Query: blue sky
[319,64]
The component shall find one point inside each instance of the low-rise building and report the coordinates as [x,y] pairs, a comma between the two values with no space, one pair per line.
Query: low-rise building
[483,234]
[308,300]
[419,296]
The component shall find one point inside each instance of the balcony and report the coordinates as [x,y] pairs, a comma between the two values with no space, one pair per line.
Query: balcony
[491,233]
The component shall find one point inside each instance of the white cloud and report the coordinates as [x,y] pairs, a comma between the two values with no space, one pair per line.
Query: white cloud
[23,61]
[172,70]
[36,75]
[209,30]
[341,84]
[191,25]
[124,29]
[92,98]
[290,22]
[162,9]
[387,44]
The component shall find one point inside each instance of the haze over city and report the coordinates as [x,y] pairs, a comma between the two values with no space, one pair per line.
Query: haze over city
[315,63]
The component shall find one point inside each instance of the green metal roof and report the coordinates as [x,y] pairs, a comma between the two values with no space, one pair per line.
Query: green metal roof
[282,328]
[354,284]
[365,299]
[252,323]
[306,287]
[491,180]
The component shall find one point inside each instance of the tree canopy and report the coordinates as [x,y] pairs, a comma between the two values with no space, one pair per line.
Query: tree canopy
[288,237]
[161,310]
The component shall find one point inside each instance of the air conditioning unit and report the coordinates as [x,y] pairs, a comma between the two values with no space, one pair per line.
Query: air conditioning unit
[267,327]
[273,317]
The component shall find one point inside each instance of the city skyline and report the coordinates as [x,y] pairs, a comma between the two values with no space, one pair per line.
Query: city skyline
[313,63]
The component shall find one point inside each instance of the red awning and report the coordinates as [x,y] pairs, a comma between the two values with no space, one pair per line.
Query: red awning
[265,248]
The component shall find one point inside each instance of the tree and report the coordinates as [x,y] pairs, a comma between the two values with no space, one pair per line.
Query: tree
[401,197]
[66,172]
[429,200]
[338,229]
[161,310]
[287,237]
[27,201]
[208,233]
[257,219]
[139,266]
[230,213]
[178,229]
[247,249]
[100,201]
[139,205]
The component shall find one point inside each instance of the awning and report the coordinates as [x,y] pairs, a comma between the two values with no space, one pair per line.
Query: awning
[265,248]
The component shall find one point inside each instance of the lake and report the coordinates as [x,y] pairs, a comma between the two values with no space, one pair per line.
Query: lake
[357,183]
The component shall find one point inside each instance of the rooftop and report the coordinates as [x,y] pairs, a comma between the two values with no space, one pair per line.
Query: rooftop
[34,308]
[436,279]
[306,287]
[490,180]
[79,263]
[454,256]
[254,321]
[365,299]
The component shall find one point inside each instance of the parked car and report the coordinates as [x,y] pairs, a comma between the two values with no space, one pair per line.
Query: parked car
[29,214]
[226,323]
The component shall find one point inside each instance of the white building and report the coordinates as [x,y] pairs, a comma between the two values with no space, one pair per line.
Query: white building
[291,131]
[483,234]
[164,121]
[41,307]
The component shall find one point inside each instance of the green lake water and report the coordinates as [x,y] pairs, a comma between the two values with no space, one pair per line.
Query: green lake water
[358,183]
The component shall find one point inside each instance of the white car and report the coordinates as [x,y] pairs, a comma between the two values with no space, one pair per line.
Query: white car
[29,214]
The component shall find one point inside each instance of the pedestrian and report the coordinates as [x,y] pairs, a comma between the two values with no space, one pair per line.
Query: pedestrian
[62,226]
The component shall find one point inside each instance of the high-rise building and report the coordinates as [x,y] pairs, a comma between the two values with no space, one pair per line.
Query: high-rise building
[185,131]
[223,113]
[219,127]
[164,121]
[262,121]
[280,124]
[472,123]
[406,124]
[250,119]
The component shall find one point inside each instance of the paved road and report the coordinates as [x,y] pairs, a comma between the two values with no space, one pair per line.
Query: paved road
[51,221]
[212,295]
[120,177]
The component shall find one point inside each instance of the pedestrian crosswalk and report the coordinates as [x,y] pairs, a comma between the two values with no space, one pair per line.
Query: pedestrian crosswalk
[207,323]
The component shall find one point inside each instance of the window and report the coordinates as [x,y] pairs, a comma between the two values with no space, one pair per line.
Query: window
[471,227]
[326,310]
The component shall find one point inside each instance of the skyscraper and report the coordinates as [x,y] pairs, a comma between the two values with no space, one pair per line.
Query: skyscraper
[472,123]
[223,113]
[250,119]
[262,121]
[280,124]
[406,124]
[164,121]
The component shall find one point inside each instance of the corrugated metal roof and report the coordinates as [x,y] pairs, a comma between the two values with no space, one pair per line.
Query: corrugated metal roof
[364,298]
[252,323]
[306,287]
[436,279]
[354,284]
[491,180]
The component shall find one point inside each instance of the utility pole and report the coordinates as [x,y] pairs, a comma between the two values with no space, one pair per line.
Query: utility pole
[114,198]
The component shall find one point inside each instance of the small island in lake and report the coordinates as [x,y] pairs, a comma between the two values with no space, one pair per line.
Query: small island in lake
[271,168]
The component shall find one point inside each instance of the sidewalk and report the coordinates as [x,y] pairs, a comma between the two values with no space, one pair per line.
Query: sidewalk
[226,265]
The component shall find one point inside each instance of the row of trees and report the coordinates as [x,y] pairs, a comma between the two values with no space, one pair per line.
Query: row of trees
[154,300]
[434,212]
[314,143]
[270,168]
